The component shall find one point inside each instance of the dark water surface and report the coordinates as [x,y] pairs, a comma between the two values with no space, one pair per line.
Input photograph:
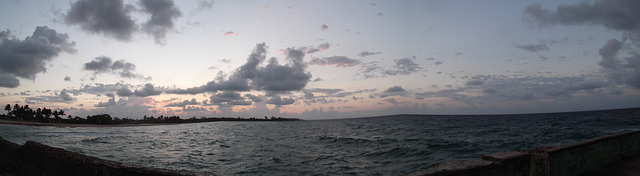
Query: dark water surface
[393,145]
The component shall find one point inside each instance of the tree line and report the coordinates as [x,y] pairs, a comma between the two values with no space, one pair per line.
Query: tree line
[25,113]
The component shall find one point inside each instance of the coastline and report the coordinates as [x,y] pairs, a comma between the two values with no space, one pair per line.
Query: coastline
[28,123]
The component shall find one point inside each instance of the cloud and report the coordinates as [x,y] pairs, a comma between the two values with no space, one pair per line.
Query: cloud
[28,57]
[253,98]
[9,81]
[183,103]
[103,64]
[108,17]
[229,33]
[622,15]
[338,61]
[272,77]
[474,83]
[394,91]
[163,13]
[225,97]
[533,47]
[264,7]
[324,27]
[320,47]
[124,92]
[609,52]
[65,96]
[404,66]
[147,90]
[67,78]
[367,53]
[324,90]
[110,102]
[59,97]
[278,101]
[392,101]
[208,4]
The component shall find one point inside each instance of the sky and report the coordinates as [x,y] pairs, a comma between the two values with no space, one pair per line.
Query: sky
[319,59]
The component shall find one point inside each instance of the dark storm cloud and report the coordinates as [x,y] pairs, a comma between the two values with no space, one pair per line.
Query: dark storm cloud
[533,47]
[278,101]
[103,64]
[163,13]
[183,103]
[623,15]
[338,61]
[272,78]
[147,90]
[107,17]
[367,53]
[28,57]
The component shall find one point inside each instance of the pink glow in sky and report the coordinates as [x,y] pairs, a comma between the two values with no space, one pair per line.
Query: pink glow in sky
[319,59]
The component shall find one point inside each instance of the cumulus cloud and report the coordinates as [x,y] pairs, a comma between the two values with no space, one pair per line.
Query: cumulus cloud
[67,78]
[394,91]
[108,17]
[110,102]
[163,13]
[103,64]
[147,90]
[392,101]
[324,27]
[338,61]
[278,101]
[112,18]
[533,47]
[614,14]
[272,77]
[28,57]
[183,103]
[618,15]
[367,53]
[124,92]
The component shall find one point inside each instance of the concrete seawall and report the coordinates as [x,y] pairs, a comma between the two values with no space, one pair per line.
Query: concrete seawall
[566,160]
[34,158]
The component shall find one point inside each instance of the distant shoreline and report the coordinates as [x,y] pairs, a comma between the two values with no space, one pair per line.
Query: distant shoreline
[28,123]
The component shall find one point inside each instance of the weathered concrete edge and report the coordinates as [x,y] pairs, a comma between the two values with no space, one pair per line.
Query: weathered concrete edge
[570,159]
[34,158]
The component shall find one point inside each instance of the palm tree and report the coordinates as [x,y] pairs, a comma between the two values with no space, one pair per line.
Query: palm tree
[8,109]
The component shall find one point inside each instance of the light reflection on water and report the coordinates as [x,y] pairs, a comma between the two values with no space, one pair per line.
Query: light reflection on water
[371,146]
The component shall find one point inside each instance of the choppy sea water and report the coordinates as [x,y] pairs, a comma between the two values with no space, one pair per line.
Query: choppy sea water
[392,145]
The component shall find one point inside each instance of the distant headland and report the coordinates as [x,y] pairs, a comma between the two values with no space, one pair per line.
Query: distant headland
[24,115]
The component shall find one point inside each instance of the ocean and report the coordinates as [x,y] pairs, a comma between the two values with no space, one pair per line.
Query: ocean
[389,145]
